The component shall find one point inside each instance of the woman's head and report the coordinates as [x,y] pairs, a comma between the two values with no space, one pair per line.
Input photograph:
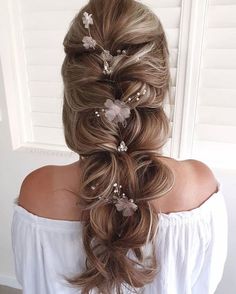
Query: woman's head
[108,236]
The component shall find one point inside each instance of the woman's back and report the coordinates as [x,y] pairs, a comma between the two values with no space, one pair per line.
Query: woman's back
[45,191]
[116,76]
[191,245]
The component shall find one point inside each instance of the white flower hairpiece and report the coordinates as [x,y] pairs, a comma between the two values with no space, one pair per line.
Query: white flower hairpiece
[87,19]
[121,201]
[89,42]
[106,55]
[127,206]
[116,111]
[119,111]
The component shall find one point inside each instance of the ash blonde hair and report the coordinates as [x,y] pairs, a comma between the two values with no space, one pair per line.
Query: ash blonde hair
[129,25]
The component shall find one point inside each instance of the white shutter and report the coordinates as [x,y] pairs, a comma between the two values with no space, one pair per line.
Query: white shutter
[169,12]
[38,28]
[215,126]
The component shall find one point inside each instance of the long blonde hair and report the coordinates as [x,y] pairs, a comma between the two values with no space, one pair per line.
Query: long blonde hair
[129,25]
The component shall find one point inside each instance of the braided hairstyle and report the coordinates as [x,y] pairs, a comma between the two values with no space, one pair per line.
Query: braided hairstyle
[110,239]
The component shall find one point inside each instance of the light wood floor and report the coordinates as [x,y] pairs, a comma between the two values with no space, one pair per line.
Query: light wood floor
[6,290]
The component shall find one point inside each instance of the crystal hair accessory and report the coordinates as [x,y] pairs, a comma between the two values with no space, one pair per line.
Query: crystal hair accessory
[89,42]
[121,201]
[122,147]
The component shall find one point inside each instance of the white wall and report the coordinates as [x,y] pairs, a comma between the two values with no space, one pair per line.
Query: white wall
[14,166]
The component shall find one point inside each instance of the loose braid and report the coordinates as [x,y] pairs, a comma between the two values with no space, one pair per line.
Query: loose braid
[110,239]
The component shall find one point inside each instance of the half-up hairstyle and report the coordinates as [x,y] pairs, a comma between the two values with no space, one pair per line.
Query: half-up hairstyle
[109,238]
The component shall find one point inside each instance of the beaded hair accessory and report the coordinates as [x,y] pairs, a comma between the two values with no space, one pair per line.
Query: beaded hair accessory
[116,111]
[89,42]
[121,201]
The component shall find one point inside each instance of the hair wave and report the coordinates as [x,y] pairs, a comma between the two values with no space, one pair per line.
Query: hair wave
[111,240]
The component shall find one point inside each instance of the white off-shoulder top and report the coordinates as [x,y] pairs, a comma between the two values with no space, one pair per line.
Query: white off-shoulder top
[191,250]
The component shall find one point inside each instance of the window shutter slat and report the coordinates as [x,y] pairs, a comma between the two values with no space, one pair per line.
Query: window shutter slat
[217,115]
[45,89]
[39,35]
[222,16]
[218,78]
[51,120]
[215,126]
[221,38]
[220,133]
[42,5]
[215,157]
[47,105]
[217,97]
[222,2]
[47,135]
[220,58]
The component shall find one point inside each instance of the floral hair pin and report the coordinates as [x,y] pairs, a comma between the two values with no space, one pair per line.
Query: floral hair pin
[117,110]
[89,42]
[121,201]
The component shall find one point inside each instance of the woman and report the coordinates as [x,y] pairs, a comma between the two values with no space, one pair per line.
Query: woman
[124,217]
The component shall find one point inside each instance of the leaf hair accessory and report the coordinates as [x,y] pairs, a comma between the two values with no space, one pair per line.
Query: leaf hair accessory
[89,42]
[121,201]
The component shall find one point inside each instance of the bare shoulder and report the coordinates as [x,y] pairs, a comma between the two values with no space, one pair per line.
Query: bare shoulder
[195,182]
[202,175]
[36,181]
[200,182]
[193,169]
[46,192]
